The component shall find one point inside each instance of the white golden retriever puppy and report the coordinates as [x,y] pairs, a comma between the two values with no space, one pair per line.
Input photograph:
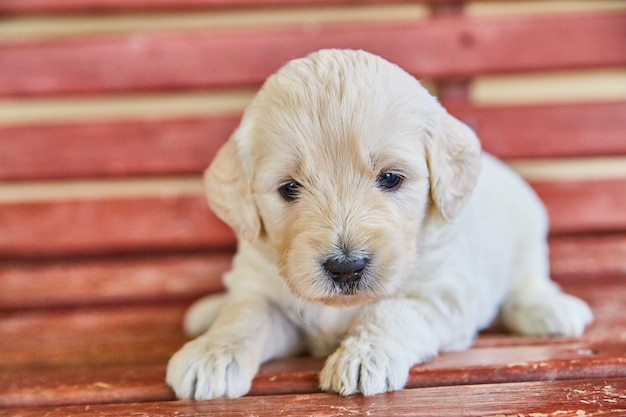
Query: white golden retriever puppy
[370,228]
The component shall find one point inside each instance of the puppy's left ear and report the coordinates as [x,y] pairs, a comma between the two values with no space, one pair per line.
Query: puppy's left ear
[454,156]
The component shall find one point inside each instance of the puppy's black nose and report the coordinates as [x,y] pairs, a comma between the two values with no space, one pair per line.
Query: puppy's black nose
[345,270]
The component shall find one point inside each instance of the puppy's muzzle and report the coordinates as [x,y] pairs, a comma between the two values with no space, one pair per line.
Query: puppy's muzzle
[345,271]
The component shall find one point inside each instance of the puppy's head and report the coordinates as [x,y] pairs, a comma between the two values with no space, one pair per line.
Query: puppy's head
[335,166]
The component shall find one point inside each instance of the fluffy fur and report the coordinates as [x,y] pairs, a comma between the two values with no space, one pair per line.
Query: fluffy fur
[461,239]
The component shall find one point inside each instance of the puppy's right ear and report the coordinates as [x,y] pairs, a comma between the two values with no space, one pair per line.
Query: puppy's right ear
[229,194]
[454,157]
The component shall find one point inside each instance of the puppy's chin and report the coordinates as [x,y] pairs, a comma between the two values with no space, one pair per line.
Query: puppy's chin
[347,300]
[342,299]
[322,289]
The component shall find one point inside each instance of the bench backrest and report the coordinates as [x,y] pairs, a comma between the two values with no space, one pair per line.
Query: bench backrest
[106,126]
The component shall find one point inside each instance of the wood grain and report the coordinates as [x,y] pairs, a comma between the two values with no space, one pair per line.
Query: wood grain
[123,335]
[108,280]
[141,383]
[595,397]
[83,385]
[112,149]
[549,130]
[184,222]
[584,206]
[446,47]
[592,257]
[93,288]
[148,278]
[183,147]
[113,225]
[118,354]
[74,6]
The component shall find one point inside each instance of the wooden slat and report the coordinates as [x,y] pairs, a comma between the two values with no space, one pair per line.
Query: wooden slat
[134,383]
[551,130]
[107,280]
[112,225]
[111,149]
[593,257]
[69,6]
[149,334]
[86,337]
[584,206]
[83,385]
[443,47]
[595,397]
[119,355]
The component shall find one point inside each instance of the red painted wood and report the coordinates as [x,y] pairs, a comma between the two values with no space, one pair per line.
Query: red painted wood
[107,280]
[72,6]
[442,47]
[594,397]
[36,346]
[166,147]
[83,385]
[112,148]
[72,357]
[594,257]
[104,336]
[584,206]
[551,130]
[111,225]
[135,383]
[125,335]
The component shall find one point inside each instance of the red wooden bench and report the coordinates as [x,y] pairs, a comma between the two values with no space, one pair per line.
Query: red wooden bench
[105,237]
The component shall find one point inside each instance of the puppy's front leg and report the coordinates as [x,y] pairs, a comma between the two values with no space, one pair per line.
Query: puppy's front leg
[223,361]
[386,339]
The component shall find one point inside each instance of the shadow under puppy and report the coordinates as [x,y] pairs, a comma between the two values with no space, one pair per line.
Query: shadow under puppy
[371,228]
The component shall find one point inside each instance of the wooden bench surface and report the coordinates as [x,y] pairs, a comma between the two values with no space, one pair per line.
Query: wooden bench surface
[105,237]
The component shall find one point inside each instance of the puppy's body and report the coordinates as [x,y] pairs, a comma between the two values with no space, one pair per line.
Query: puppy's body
[371,229]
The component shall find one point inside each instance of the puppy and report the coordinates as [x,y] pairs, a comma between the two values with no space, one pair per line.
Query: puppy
[371,228]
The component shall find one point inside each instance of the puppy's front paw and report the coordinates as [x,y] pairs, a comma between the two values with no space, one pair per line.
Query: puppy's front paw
[203,370]
[361,367]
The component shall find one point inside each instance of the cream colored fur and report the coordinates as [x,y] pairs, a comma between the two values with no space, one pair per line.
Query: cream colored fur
[460,240]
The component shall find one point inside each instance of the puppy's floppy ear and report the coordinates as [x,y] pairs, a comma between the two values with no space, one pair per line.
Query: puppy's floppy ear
[454,156]
[228,192]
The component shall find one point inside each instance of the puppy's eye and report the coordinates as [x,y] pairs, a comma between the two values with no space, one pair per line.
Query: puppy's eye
[289,191]
[388,181]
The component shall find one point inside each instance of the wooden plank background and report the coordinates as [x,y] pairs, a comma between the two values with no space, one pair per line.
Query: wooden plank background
[70,161]
[111,109]
[186,146]
[456,47]
[44,6]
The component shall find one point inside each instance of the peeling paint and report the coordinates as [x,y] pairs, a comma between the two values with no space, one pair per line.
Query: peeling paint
[609,391]
[554,413]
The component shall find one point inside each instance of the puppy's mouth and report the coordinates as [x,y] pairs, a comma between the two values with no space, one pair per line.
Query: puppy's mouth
[339,279]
